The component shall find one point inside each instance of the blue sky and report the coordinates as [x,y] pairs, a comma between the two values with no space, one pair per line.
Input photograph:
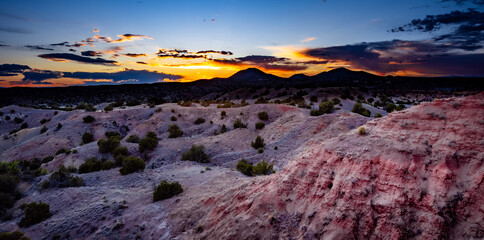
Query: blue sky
[245,28]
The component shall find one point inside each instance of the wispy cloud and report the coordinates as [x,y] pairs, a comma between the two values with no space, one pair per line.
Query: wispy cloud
[309,39]
[64,57]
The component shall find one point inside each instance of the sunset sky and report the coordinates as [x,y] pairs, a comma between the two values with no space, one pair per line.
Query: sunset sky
[61,43]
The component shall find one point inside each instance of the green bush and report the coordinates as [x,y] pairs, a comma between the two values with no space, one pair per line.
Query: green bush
[149,142]
[173,118]
[259,125]
[239,124]
[263,116]
[112,134]
[17,235]
[336,101]
[133,139]
[166,190]
[361,131]
[109,144]
[62,178]
[120,151]
[8,185]
[326,107]
[358,108]
[315,112]
[199,121]
[88,119]
[196,153]
[44,120]
[132,103]
[90,165]
[131,165]
[108,108]
[34,213]
[47,159]
[223,114]
[106,165]
[61,151]
[18,120]
[223,129]
[400,107]
[174,131]
[43,130]
[59,126]
[390,107]
[378,115]
[87,137]
[260,150]
[263,168]
[258,143]
[24,126]
[244,167]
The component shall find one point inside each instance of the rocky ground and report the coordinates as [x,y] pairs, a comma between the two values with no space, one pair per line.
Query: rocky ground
[417,173]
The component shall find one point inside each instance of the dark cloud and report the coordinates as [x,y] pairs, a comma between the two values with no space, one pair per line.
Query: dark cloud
[425,57]
[139,76]
[12,69]
[37,47]
[217,52]
[3,45]
[90,53]
[72,50]
[15,30]
[144,63]
[76,45]
[122,38]
[60,44]
[468,34]
[135,55]
[68,56]
[38,76]
[262,59]
[22,82]
[265,62]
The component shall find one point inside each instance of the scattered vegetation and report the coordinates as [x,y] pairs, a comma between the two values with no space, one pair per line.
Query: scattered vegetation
[361,131]
[259,125]
[239,124]
[133,139]
[62,178]
[258,143]
[9,180]
[223,129]
[174,131]
[378,115]
[358,108]
[43,129]
[59,126]
[109,144]
[173,118]
[149,142]
[197,154]
[87,137]
[47,159]
[325,107]
[61,151]
[34,213]
[223,114]
[263,116]
[131,165]
[44,121]
[88,119]
[17,235]
[166,190]
[90,165]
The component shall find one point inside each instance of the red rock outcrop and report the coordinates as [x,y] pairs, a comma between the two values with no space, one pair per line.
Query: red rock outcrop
[416,174]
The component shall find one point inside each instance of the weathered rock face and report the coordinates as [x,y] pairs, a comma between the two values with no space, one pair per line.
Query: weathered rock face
[416,174]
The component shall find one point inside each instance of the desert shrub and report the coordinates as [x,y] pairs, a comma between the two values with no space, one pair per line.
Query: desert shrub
[34,213]
[131,165]
[62,178]
[258,143]
[259,125]
[196,153]
[108,108]
[112,134]
[61,151]
[109,144]
[315,112]
[149,142]
[18,120]
[24,126]
[44,120]
[7,118]
[263,168]
[260,150]
[47,159]
[390,107]
[8,185]
[88,119]
[174,131]
[400,107]
[358,108]
[185,103]
[173,118]
[263,116]
[90,165]
[223,129]
[223,114]
[120,151]
[199,121]
[166,190]
[378,115]
[87,137]
[106,165]
[370,100]
[133,139]
[239,124]
[361,131]
[326,107]
[244,167]
[336,101]
[17,235]
[133,103]
[59,126]
[43,130]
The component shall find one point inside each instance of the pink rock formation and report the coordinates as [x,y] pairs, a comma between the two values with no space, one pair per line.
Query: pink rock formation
[416,174]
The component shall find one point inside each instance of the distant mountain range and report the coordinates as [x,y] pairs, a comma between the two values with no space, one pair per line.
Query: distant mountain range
[248,78]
